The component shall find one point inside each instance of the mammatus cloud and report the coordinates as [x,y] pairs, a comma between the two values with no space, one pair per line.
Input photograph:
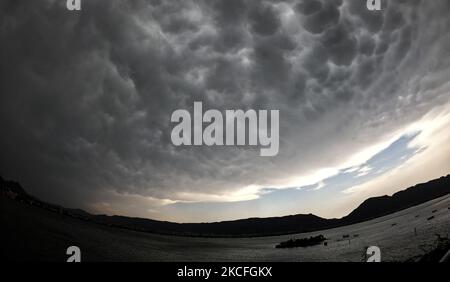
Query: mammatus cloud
[86,97]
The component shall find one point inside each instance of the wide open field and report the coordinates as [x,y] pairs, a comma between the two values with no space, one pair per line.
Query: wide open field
[31,233]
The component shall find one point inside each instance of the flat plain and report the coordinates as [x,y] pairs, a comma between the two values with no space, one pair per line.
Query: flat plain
[31,233]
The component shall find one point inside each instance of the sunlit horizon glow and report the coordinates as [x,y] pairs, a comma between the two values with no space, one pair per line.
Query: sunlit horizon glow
[432,136]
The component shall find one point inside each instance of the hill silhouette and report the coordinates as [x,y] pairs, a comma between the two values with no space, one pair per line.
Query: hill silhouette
[369,209]
[380,206]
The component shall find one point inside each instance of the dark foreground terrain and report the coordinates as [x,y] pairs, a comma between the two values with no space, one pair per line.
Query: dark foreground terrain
[32,233]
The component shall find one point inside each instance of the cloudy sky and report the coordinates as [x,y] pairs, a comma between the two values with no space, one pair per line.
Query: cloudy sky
[86,99]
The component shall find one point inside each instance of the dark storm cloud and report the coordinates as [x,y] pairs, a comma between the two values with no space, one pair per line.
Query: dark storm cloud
[264,20]
[86,97]
[322,18]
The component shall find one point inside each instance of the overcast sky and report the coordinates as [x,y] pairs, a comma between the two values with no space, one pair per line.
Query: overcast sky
[86,100]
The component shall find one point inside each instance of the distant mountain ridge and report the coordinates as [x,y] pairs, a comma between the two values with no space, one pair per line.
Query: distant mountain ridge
[415,195]
[369,209]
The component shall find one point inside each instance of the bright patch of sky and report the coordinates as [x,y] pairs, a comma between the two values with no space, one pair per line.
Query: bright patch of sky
[299,198]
